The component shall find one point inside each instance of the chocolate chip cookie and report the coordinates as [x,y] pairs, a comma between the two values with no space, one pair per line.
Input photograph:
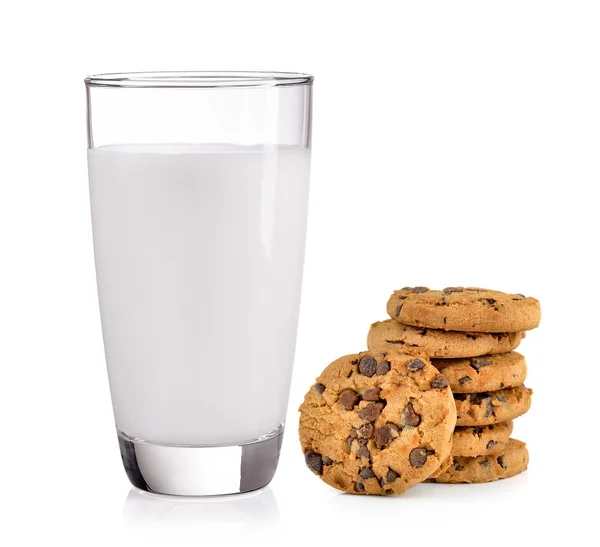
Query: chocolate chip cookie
[481,441]
[377,422]
[491,407]
[486,373]
[467,309]
[440,344]
[508,463]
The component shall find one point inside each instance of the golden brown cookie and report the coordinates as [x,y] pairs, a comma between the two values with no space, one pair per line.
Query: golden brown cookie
[467,309]
[445,465]
[440,344]
[508,463]
[491,407]
[377,422]
[487,373]
[481,441]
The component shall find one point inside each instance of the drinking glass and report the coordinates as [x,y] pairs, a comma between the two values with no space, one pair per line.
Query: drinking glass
[199,187]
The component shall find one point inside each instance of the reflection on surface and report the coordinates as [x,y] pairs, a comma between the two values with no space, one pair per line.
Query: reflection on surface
[241,509]
[447,501]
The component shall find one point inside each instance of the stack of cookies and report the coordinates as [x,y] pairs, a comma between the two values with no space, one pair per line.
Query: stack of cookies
[470,334]
[432,399]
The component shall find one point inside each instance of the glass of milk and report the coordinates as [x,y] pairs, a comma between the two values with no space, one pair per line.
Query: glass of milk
[199,188]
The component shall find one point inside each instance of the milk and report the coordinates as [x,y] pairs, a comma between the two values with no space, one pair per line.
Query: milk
[199,252]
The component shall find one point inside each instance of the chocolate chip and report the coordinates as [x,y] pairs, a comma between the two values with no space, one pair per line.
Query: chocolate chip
[464,380]
[371,394]
[366,473]
[362,441]
[367,366]
[353,433]
[371,412]
[484,463]
[478,364]
[327,461]
[521,295]
[477,431]
[491,301]
[418,457]
[410,417]
[363,452]
[314,462]
[500,460]
[385,434]
[350,441]
[439,382]
[415,364]
[348,399]
[383,368]
[366,431]
[406,288]
[359,487]
[391,475]
[460,396]
[490,444]
[320,388]
[489,409]
[450,290]
[419,290]
[501,398]
[398,309]
[459,467]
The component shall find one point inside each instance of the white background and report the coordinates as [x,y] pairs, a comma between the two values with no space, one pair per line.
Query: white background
[455,143]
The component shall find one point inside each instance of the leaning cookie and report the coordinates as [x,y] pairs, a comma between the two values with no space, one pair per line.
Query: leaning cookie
[467,309]
[491,407]
[508,463]
[486,373]
[481,441]
[377,422]
[440,344]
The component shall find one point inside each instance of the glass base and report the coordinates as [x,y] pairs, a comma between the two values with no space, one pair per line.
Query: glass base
[192,470]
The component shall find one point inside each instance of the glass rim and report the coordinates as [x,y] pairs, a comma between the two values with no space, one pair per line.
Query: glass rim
[198,79]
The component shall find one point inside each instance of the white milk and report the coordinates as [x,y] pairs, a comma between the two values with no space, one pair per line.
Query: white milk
[199,252]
